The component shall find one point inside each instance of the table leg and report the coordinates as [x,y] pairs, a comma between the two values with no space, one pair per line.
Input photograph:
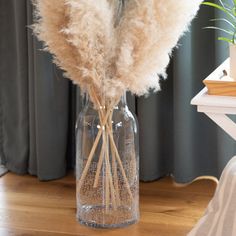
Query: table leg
[224,122]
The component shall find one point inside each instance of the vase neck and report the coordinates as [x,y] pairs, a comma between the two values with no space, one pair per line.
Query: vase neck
[122,101]
[87,101]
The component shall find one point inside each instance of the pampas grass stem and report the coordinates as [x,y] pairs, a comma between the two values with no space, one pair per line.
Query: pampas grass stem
[94,147]
[113,146]
[111,192]
[114,168]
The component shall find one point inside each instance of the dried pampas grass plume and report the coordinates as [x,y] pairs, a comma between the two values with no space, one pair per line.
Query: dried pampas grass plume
[90,31]
[148,32]
[52,17]
[110,50]
[80,36]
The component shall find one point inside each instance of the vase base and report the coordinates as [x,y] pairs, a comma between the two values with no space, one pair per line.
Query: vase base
[96,217]
[106,226]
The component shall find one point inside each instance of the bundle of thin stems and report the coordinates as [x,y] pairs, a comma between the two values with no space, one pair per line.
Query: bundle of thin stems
[112,191]
[109,47]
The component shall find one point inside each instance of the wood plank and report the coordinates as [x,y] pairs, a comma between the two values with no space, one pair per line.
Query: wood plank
[30,207]
[24,232]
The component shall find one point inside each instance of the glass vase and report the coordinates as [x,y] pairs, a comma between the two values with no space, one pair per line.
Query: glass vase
[107,166]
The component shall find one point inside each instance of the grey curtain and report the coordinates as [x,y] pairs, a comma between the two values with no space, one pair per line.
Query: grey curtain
[34,99]
[38,107]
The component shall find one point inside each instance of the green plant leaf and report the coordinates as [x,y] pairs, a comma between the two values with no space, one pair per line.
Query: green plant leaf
[218,28]
[225,5]
[234,36]
[225,20]
[234,10]
[225,39]
[217,6]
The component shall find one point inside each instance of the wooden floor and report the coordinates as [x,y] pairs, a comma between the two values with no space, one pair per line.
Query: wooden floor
[31,208]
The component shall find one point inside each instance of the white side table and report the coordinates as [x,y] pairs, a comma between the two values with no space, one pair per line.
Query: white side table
[217,107]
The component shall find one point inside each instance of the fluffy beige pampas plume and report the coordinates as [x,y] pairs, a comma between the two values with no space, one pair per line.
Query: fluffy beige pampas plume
[147,34]
[136,35]
[90,31]
[95,48]
[80,35]
[52,17]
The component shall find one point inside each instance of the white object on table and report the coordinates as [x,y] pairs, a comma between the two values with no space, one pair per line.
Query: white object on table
[217,108]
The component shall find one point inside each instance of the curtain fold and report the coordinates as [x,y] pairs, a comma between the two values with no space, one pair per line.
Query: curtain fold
[38,107]
[34,99]
[14,85]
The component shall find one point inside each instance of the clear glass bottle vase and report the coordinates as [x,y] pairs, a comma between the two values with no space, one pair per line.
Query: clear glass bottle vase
[107,166]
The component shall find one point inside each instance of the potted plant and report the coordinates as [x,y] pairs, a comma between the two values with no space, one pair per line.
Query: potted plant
[229,28]
[107,51]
